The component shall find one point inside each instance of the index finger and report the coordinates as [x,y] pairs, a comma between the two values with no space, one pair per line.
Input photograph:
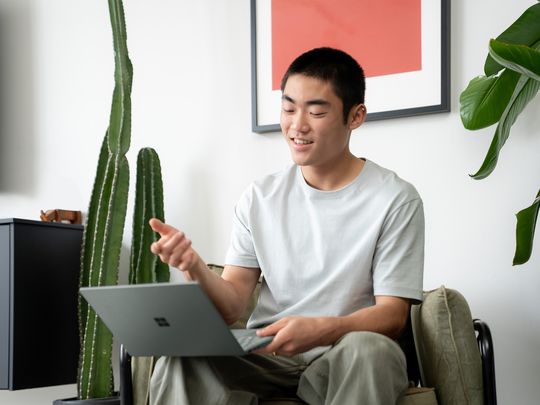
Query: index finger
[161,227]
[270,348]
[271,329]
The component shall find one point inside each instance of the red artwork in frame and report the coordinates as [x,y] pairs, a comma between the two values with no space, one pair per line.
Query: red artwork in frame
[384,36]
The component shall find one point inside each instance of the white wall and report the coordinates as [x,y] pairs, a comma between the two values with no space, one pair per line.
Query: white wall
[191,101]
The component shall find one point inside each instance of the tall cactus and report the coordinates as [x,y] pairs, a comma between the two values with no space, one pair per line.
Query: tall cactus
[145,266]
[105,222]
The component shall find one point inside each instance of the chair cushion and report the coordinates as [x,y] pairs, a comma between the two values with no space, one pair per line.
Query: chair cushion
[446,346]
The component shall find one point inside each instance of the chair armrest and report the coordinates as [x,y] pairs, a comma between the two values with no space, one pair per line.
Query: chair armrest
[485,344]
[126,383]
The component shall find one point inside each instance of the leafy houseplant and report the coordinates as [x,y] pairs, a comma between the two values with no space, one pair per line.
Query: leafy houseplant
[511,81]
[104,227]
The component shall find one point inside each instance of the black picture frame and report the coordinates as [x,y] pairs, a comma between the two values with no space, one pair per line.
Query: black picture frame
[260,125]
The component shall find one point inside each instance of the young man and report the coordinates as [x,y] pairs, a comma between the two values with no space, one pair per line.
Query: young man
[339,242]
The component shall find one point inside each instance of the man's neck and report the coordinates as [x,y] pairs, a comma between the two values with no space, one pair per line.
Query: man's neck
[335,176]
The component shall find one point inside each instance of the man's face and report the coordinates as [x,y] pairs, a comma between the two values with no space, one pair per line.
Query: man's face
[312,122]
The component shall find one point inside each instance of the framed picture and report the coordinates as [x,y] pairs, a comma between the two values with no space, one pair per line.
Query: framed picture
[403,46]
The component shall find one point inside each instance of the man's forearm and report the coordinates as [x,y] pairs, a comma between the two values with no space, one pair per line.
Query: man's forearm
[389,319]
[221,292]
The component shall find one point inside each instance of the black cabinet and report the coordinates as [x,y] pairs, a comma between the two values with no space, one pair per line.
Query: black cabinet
[39,283]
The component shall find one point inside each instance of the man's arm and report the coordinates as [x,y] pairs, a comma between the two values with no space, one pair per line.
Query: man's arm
[243,281]
[298,334]
[230,293]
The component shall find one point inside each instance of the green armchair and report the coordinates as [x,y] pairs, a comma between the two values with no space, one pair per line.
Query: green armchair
[449,356]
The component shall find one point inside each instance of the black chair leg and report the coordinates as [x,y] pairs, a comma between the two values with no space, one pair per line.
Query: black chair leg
[126,382]
[485,344]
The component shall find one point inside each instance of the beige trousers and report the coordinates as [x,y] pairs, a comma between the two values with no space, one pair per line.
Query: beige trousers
[361,368]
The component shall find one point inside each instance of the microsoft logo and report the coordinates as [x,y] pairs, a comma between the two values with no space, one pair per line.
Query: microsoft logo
[162,322]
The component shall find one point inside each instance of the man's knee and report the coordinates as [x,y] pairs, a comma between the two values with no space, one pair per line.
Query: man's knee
[363,365]
[370,347]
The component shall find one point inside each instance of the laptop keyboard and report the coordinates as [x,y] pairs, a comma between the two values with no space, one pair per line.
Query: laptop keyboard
[248,339]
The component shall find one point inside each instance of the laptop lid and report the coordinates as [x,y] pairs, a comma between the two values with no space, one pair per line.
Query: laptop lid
[163,319]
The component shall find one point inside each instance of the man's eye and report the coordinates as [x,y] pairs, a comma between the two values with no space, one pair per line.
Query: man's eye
[288,110]
[317,114]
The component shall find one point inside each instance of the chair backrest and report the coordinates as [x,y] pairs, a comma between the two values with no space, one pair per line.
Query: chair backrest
[447,349]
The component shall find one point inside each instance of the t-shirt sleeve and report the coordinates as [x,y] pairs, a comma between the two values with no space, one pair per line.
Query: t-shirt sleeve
[398,263]
[241,251]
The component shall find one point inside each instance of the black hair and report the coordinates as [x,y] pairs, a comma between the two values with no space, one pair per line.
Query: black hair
[338,68]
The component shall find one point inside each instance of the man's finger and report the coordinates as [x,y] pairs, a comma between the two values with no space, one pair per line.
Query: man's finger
[271,329]
[155,248]
[271,347]
[155,224]
[160,227]
[174,242]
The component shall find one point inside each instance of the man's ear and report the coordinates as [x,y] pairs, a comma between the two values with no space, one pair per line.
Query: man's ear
[357,116]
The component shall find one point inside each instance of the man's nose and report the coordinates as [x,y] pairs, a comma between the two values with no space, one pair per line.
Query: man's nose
[300,122]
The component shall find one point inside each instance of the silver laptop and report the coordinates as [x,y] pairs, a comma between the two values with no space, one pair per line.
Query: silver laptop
[169,320]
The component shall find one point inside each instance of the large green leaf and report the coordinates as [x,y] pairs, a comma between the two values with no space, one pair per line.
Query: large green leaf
[524,92]
[519,58]
[526,224]
[524,31]
[484,100]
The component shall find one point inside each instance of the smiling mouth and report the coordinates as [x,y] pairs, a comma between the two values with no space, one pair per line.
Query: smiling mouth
[301,141]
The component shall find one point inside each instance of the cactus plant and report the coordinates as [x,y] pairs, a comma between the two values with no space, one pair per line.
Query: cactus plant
[99,266]
[104,228]
[145,266]
[106,217]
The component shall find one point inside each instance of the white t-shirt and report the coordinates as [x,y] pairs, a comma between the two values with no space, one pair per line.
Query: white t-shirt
[329,253]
